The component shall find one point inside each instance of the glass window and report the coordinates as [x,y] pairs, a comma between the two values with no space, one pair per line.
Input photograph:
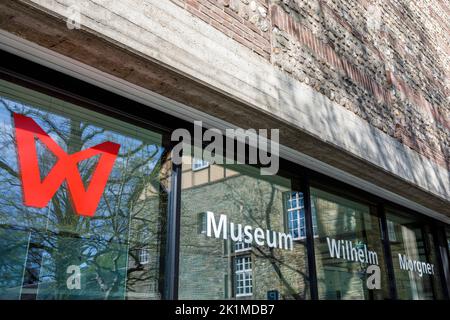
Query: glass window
[242,246]
[243,274]
[80,199]
[413,253]
[296,216]
[349,253]
[144,256]
[391,231]
[234,237]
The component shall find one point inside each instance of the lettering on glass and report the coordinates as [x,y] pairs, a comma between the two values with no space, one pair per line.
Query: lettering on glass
[420,267]
[346,250]
[237,232]
[37,193]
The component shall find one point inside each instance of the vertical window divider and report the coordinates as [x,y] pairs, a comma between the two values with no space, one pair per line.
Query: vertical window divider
[173,233]
[428,252]
[387,251]
[305,188]
[442,255]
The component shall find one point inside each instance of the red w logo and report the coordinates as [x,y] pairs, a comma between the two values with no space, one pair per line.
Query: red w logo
[37,193]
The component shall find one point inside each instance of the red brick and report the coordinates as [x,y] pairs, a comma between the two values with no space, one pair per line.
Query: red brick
[197,13]
[290,28]
[235,30]
[206,4]
[233,14]
[260,52]
[211,14]
[304,34]
[296,31]
[255,29]
[242,41]
[284,21]
[273,14]
[220,27]
[193,3]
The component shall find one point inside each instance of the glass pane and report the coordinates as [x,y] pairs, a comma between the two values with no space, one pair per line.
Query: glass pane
[14,245]
[413,255]
[52,244]
[348,248]
[242,200]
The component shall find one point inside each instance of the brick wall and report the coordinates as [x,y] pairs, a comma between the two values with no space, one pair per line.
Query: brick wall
[388,61]
[245,21]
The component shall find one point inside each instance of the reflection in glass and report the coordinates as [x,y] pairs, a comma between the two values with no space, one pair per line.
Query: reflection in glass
[244,275]
[349,253]
[53,253]
[217,268]
[415,264]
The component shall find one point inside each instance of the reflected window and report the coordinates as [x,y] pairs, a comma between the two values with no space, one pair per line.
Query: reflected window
[241,257]
[242,246]
[244,276]
[296,216]
[202,222]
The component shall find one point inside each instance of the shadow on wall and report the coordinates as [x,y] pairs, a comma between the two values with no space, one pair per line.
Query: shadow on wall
[325,117]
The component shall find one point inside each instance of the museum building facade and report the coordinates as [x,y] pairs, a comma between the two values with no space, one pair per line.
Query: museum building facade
[94,206]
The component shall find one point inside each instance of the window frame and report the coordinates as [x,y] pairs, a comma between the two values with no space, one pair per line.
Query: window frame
[247,274]
[243,246]
[143,252]
[300,213]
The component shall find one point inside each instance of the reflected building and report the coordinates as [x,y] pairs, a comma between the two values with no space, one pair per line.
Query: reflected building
[353,106]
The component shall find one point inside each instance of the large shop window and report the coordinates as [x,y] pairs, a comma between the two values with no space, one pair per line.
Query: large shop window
[238,237]
[80,211]
[348,247]
[413,253]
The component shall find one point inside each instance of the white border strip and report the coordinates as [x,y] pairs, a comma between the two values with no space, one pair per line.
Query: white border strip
[78,70]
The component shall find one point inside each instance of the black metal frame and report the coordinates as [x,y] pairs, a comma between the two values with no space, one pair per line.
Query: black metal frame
[443,258]
[310,249]
[54,83]
[173,235]
[387,252]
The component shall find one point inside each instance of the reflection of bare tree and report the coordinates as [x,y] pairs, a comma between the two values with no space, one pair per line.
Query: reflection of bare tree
[261,205]
[105,245]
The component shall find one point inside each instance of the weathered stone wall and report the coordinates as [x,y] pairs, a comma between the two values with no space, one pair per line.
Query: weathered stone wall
[386,61]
